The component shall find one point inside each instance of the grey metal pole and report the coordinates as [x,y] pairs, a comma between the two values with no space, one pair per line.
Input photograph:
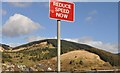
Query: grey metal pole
[59,44]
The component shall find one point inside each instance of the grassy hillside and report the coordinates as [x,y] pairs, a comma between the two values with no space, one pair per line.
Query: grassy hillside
[106,56]
[67,46]
[81,60]
[28,57]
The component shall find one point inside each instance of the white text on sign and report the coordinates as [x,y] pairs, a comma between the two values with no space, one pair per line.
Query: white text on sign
[62,10]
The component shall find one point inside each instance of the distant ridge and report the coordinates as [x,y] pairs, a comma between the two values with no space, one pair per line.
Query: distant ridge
[54,42]
[6,47]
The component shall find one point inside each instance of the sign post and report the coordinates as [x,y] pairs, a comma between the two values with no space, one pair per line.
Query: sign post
[61,11]
[59,44]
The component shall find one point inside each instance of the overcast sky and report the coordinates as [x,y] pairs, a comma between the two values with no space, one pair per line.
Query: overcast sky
[96,24]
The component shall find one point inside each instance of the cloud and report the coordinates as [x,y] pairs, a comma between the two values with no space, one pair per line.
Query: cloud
[93,12]
[37,38]
[18,25]
[20,4]
[98,44]
[91,16]
[14,44]
[34,38]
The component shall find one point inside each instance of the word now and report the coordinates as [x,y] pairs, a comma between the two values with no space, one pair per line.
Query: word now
[61,15]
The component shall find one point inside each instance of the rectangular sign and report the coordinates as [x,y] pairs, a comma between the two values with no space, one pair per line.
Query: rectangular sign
[61,10]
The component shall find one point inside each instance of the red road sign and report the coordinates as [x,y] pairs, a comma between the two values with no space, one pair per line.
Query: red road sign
[61,10]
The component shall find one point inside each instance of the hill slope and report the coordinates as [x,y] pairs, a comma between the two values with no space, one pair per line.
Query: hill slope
[79,60]
[34,52]
[70,46]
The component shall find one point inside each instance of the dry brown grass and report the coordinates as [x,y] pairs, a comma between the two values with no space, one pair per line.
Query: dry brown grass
[89,61]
